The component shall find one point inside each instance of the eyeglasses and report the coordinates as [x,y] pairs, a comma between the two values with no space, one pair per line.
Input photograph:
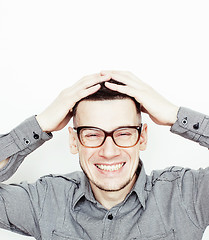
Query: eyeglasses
[125,137]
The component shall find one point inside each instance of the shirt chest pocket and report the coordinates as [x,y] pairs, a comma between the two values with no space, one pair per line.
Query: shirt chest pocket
[165,236]
[61,236]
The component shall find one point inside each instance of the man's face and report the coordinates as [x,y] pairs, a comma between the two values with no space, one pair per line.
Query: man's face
[108,115]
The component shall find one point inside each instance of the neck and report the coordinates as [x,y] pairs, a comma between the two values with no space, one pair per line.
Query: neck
[109,199]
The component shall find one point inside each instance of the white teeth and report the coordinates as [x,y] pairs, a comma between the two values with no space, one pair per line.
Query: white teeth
[110,167]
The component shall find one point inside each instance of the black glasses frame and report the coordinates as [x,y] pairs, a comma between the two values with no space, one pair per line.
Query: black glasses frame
[108,134]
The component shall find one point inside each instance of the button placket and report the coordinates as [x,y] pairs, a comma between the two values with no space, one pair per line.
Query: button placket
[109,226]
[110,216]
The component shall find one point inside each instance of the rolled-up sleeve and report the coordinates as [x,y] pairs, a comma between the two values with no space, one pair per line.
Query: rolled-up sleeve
[20,142]
[192,125]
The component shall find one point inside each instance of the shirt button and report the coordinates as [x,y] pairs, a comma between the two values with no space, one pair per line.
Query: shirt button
[110,217]
[35,135]
[26,141]
[196,126]
[184,121]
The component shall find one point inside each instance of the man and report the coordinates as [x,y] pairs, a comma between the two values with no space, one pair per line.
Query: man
[113,198]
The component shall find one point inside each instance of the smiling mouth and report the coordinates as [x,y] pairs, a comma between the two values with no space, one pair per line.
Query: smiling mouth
[110,168]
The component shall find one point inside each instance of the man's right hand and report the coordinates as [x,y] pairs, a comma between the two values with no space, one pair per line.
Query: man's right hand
[59,113]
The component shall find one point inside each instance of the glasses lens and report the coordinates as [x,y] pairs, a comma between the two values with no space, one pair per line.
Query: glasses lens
[91,137]
[126,137]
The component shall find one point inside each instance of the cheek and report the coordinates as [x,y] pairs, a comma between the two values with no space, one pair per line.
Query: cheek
[85,155]
[134,155]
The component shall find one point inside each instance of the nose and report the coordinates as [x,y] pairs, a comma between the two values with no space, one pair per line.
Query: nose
[109,149]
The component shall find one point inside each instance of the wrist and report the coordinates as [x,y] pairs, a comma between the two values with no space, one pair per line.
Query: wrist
[173,115]
[41,123]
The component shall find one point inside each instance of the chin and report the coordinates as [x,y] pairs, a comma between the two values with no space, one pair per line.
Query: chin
[111,187]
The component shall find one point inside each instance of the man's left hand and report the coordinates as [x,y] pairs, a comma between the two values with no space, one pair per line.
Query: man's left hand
[160,110]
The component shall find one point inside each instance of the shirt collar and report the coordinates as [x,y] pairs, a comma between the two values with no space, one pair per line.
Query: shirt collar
[139,187]
[84,188]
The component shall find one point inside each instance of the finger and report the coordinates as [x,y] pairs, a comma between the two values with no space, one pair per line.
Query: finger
[96,81]
[124,77]
[65,121]
[86,92]
[120,88]
[77,91]
[92,89]
[96,76]
[93,80]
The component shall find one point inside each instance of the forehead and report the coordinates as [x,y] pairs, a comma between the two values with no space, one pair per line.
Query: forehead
[107,114]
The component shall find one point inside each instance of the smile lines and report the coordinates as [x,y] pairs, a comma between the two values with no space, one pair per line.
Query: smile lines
[110,168]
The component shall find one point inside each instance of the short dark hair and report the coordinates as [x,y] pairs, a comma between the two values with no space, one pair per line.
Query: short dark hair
[105,93]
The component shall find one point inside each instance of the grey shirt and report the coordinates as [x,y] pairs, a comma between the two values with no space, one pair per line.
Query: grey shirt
[169,204]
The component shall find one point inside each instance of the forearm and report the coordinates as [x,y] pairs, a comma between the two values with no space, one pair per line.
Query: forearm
[192,125]
[17,144]
[4,163]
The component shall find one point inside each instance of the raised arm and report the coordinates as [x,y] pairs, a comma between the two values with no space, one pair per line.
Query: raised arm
[33,132]
[59,113]
[183,121]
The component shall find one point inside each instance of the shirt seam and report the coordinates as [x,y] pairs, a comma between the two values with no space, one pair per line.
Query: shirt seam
[3,223]
[184,206]
[22,147]
[164,225]
[42,208]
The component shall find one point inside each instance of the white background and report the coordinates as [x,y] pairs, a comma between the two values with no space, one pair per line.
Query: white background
[46,46]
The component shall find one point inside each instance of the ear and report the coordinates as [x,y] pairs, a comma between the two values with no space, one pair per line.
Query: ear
[73,141]
[143,138]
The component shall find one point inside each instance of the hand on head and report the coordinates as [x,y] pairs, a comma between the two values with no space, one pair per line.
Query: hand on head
[59,113]
[160,110]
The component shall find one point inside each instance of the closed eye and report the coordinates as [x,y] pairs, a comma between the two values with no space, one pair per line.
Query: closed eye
[123,134]
[93,135]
